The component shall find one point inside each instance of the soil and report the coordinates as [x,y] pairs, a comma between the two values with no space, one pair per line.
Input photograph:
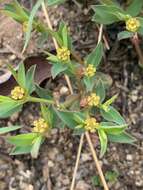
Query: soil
[54,167]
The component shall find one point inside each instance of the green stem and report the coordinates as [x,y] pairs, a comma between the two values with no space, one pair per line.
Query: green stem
[39,100]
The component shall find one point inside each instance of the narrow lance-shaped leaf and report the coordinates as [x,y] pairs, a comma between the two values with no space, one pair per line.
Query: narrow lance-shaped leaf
[21,76]
[67,117]
[100,90]
[95,56]
[103,141]
[21,150]
[8,129]
[30,22]
[124,35]
[36,146]
[122,138]
[57,68]
[111,128]
[112,115]
[22,139]
[54,2]
[135,7]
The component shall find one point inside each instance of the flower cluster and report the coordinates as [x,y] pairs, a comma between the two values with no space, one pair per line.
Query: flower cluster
[40,126]
[93,100]
[90,70]
[132,24]
[63,54]
[91,124]
[17,93]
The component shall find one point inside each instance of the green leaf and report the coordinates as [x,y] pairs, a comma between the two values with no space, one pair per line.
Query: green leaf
[8,108]
[122,138]
[100,90]
[134,8]
[111,176]
[22,139]
[106,79]
[16,11]
[89,83]
[79,118]
[140,31]
[106,104]
[57,68]
[124,35]
[21,150]
[96,55]
[105,14]
[21,76]
[5,98]
[30,22]
[12,71]
[103,141]
[113,115]
[78,131]
[55,2]
[47,114]
[43,93]
[111,128]
[67,117]
[8,129]
[65,36]
[30,86]
[36,146]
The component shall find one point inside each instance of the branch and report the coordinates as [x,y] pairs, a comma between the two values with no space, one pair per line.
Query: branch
[77,162]
[99,169]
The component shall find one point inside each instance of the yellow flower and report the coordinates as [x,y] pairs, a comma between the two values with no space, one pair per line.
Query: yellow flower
[132,24]
[63,54]
[91,124]
[90,70]
[40,126]
[25,26]
[93,100]
[17,93]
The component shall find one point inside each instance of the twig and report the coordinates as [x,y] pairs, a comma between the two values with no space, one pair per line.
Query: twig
[101,35]
[135,41]
[77,162]
[96,161]
[49,22]
[55,42]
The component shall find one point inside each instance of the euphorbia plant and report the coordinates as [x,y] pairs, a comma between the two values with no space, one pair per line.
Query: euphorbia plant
[86,110]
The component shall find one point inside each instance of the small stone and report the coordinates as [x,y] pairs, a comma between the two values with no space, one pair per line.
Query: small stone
[64,90]
[50,164]
[85,157]
[12,57]
[81,185]
[129,157]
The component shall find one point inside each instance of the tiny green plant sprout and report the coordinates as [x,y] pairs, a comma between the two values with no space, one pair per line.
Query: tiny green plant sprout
[109,12]
[87,109]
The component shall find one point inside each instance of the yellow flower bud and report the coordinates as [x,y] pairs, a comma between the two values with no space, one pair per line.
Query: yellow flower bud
[93,100]
[63,54]
[91,124]
[25,26]
[40,126]
[17,93]
[132,24]
[90,70]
